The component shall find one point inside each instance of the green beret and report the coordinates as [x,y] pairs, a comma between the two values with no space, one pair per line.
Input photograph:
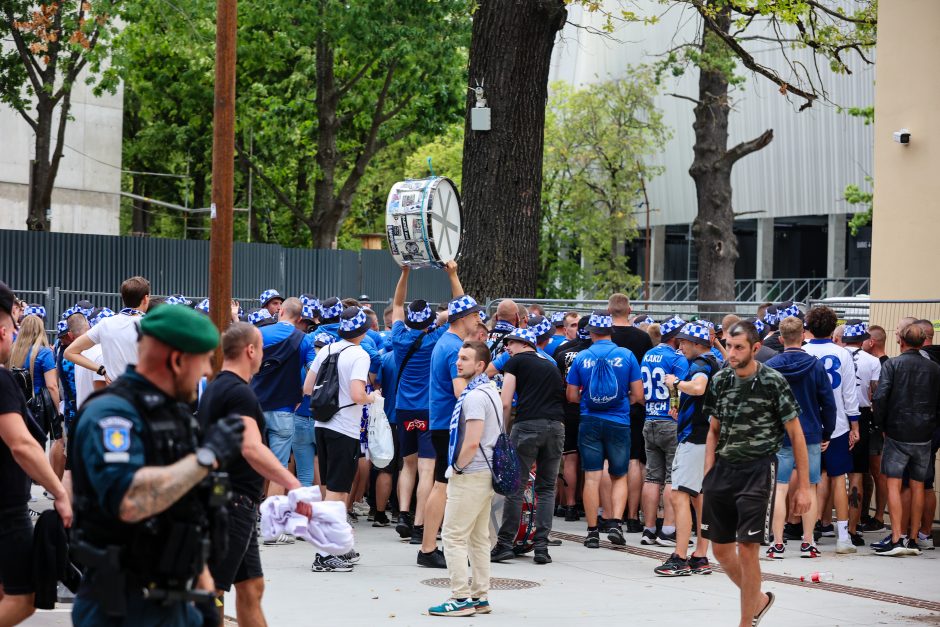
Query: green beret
[182,328]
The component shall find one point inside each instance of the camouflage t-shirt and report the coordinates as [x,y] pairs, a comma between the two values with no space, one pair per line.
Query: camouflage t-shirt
[751,411]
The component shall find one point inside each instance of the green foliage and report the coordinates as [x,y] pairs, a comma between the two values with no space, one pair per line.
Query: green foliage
[855,195]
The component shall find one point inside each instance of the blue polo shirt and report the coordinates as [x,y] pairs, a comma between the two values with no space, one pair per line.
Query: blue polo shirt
[626,369]
[657,363]
[443,373]
[377,340]
[44,362]
[413,390]
[387,376]
[554,343]
[500,362]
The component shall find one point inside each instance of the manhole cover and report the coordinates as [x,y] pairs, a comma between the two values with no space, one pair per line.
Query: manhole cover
[496,583]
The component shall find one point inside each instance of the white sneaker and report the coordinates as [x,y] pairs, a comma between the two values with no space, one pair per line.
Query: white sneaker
[279,540]
[361,508]
[844,547]
[925,544]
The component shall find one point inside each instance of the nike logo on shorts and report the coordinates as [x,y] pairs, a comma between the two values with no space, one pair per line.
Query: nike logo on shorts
[753,533]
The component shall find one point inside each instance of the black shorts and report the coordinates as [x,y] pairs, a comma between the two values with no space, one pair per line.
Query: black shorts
[440,438]
[414,435]
[739,498]
[16,550]
[572,424]
[243,560]
[338,457]
[860,450]
[637,442]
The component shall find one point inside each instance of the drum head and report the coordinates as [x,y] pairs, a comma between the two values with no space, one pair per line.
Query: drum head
[422,222]
[444,222]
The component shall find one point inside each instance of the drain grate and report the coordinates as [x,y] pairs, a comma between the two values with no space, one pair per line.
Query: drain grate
[496,583]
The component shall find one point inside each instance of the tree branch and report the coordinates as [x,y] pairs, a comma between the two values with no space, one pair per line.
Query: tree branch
[355,79]
[745,148]
[32,68]
[275,189]
[689,98]
[841,16]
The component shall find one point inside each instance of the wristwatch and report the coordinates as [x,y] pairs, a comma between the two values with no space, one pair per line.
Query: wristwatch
[101,370]
[205,457]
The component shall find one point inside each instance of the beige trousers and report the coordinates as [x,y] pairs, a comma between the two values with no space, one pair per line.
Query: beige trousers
[466,533]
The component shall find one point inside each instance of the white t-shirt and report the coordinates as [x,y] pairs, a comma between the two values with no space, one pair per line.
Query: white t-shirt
[117,336]
[867,369]
[85,378]
[841,370]
[353,365]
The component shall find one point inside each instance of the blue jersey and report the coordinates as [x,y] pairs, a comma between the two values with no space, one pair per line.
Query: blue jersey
[500,362]
[718,355]
[554,343]
[44,362]
[377,339]
[692,425]
[443,373]
[414,388]
[387,377]
[657,363]
[626,369]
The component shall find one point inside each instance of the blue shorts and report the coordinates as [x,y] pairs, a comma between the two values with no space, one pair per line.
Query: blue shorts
[837,459]
[414,434]
[786,463]
[600,439]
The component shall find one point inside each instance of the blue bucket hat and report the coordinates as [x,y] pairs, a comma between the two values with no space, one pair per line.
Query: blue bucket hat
[462,306]
[670,327]
[695,332]
[353,322]
[268,295]
[526,336]
[418,315]
[331,309]
[601,323]
[855,332]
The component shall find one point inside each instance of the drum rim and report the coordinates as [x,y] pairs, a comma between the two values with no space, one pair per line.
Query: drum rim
[427,232]
[429,239]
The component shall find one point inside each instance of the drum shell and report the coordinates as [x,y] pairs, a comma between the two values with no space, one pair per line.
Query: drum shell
[409,226]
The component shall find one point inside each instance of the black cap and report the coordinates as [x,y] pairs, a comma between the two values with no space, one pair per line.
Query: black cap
[7,299]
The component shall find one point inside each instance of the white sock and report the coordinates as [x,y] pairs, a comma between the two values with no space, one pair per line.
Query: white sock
[667,529]
[922,536]
[842,527]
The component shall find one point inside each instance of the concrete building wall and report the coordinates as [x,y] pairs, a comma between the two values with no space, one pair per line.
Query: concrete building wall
[85,199]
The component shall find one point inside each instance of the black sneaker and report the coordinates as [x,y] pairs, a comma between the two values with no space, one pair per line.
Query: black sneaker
[893,549]
[501,553]
[700,565]
[352,557]
[872,526]
[434,559]
[380,520]
[371,516]
[417,534]
[405,525]
[561,511]
[615,535]
[912,548]
[667,539]
[542,557]
[330,564]
[857,539]
[553,542]
[793,531]
[826,531]
[649,538]
[884,542]
[571,514]
[602,523]
[634,526]
[593,540]
[675,566]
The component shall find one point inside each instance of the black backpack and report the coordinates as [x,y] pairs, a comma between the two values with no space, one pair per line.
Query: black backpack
[324,401]
[43,417]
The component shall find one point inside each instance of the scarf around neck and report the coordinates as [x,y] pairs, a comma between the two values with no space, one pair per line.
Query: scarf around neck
[477,381]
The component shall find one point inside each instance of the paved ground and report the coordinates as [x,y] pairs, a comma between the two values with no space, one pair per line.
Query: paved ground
[604,586]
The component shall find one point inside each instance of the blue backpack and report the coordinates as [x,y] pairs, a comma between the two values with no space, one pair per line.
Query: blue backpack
[603,389]
[506,467]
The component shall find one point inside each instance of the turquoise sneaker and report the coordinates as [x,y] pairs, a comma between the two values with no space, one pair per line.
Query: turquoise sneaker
[482,605]
[453,607]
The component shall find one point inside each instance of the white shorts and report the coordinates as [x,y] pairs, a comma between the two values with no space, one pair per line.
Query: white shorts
[688,468]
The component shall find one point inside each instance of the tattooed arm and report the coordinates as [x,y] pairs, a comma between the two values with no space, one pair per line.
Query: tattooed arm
[155,488]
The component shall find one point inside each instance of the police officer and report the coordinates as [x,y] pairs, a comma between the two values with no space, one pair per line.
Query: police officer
[143,518]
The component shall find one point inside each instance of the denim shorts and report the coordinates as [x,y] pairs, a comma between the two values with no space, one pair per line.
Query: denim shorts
[279,428]
[786,463]
[912,457]
[600,439]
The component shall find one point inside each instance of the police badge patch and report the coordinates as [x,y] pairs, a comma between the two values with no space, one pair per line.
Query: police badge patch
[116,436]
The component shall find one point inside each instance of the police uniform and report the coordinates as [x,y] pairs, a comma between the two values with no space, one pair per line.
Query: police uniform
[139,574]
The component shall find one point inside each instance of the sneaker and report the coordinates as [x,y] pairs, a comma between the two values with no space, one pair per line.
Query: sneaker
[542,557]
[571,514]
[361,508]
[912,548]
[63,594]
[775,552]
[352,518]
[417,534]
[885,541]
[553,542]
[561,511]
[793,531]
[371,516]
[808,550]
[501,553]
[634,526]
[453,607]
[845,547]
[602,523]
[434,559]
[857,539]
[352,557]
[872,526]
[615,535]
[33,513]
[925,544]
[649,538]
[404,525]
[482,605]
[667,539]
[826,531]
[700,565]
[675,566]
[279,540]
[593,540]
[892,548]
[380,520]
[330,564]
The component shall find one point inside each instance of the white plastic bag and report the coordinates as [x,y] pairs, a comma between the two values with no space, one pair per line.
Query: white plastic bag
[381,446]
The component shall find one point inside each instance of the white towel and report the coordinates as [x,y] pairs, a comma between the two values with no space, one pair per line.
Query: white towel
[327,530]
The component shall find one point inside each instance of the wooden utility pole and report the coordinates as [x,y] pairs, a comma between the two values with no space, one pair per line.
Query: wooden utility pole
[223,169]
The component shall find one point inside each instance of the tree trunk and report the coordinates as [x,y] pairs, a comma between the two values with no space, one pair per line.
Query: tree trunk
[140,218]
[510,53]
[713,228]
[324,210]
[40,185]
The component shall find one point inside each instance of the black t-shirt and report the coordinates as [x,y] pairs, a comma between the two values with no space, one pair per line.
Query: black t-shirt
[14,482]
[564,357]
[772,341]
[637,341]
[883,359]
[538,387]
[230,394]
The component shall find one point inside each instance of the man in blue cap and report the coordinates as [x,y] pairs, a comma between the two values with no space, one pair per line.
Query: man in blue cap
[272,301]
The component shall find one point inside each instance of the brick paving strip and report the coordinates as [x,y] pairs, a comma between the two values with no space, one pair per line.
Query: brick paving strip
[792,581]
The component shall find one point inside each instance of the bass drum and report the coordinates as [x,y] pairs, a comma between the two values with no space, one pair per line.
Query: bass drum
[423,222]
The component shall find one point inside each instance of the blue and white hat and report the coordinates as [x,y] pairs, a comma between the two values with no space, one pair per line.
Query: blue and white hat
[601,323]
[772,317]
[323,339]
[62,326]
[35,310]
[483,316]
[583,333]
[177,299]
[203,305]
[759,326]
[71,311]
[855,332]
[705,323]
[642,320]
[352,323]
[695,332]
[308,312]
[100,314]
[258,316]
[269,295]
[670,327]
[787,309]
[85,307]
[418,315]
[462,306]
[558,318]
[331,309]
[541,327]
[526,336]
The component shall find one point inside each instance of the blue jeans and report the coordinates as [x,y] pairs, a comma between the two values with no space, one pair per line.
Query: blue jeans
[305,448]
[279,428]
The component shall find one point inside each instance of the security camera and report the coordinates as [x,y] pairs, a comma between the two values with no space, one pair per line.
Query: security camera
[903,136]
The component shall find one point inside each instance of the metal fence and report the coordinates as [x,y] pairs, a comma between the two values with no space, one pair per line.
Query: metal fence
[884,313]
[657,309]
[762,290]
